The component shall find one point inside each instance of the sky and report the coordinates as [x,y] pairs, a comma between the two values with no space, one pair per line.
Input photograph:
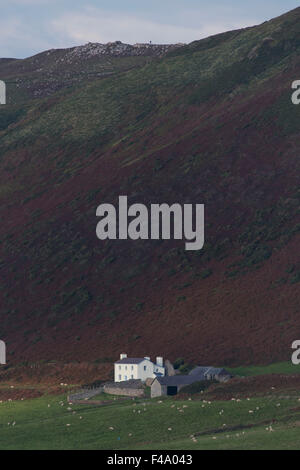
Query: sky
[31,26]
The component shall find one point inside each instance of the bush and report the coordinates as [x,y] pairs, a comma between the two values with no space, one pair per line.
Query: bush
[9,116]
[205,273]
[295,278]
[179,362]
[186,368]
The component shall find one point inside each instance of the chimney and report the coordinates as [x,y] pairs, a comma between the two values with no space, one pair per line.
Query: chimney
[123,356]
[159,361]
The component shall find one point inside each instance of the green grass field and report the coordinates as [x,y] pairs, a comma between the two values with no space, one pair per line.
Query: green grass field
[51,423]
[286,368]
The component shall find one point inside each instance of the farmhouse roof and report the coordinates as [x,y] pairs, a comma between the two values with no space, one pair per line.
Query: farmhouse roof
[130,360]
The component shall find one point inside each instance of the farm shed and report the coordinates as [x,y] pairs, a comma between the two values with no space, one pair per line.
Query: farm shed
[170,385]
[210,373]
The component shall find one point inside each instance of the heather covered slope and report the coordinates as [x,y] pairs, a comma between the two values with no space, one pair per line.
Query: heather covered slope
[209,123]
[50,71]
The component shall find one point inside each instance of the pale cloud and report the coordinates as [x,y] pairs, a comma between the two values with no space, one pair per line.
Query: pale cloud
[24,2]
[14,31]
[31,26]
[98,25]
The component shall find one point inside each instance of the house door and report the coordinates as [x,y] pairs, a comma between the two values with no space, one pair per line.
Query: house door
[171,390]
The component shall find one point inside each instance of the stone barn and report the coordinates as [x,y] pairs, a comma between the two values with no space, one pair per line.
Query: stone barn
[170,385]
[210,373]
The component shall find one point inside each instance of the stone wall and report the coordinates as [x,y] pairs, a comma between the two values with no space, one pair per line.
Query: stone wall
[125,391]
[85,394]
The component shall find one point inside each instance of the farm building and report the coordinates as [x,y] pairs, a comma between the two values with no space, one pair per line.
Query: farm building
[172,385]
[210,373]
[138,368]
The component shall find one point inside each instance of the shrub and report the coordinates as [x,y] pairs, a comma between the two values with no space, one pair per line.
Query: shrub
[295,278]
[205,273]
[179,362]
[186,368]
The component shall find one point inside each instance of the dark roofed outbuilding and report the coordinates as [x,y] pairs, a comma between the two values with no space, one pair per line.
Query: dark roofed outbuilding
[199,372]
[172,385]
[176,380]
[209,373]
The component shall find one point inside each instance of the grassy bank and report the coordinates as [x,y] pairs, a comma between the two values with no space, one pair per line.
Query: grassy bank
[286,368]
[51,423]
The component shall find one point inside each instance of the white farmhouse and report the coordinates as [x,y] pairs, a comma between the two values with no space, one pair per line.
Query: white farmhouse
[138,368]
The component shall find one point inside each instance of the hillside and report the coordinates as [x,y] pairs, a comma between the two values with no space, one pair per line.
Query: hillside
[211,122]
[50,71]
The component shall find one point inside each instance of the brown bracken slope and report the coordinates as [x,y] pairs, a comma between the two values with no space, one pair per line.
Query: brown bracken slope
[212,123]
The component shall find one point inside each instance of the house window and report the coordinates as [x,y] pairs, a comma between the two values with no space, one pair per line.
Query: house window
[120,367]
[131,367]
[145,367]
[125,367]
[120,377]
[125,377]
[132,376]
